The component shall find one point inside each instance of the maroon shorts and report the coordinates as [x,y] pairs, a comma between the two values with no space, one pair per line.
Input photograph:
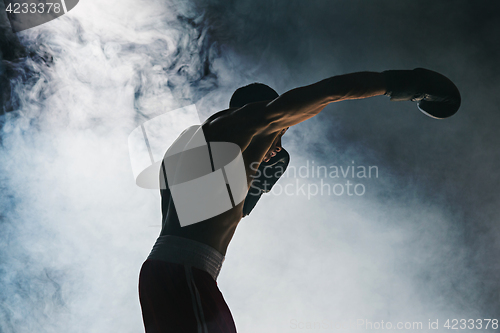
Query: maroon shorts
[180,298]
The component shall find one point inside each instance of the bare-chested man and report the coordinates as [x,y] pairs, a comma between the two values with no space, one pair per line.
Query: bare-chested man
[177,285]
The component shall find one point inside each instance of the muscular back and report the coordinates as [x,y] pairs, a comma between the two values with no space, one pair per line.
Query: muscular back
[218,230]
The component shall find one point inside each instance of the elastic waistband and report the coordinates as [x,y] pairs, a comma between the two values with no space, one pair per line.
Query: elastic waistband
[185,251]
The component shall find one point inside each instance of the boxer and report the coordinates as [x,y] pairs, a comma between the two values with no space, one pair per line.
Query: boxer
[177,284]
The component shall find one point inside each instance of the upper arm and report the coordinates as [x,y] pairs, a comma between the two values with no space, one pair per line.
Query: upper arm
[267,117]
[296,106]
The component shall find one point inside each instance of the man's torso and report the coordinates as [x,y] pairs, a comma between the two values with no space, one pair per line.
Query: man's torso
[218,230]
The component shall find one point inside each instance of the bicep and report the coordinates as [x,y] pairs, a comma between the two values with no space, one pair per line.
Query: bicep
[295,106]
[267,117]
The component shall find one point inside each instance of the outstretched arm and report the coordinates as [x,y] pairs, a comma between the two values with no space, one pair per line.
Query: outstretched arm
[436,95]
[300,104]
[295,106]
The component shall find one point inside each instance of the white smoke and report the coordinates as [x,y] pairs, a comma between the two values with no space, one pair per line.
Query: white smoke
[75,228]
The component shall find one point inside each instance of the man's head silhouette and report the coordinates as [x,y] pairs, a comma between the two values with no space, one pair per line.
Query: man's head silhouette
[257,92]
[254,92]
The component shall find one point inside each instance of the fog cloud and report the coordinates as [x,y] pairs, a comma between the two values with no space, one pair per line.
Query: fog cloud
[421,243]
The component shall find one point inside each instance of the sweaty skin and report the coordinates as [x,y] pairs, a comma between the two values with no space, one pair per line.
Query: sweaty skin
[257,129]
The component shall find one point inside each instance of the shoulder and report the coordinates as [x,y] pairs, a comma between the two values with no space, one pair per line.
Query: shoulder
[237,125]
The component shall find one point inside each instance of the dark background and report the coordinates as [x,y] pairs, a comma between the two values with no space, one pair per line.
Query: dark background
[452,164]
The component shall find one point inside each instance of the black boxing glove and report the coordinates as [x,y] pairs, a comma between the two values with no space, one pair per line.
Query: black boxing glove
[268,174]
[435,94]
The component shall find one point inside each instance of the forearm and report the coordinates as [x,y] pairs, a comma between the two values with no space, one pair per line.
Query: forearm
[334,89]
[300,104]
[354,86]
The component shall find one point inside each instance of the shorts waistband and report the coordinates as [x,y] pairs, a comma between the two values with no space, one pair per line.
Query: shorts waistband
[185,251]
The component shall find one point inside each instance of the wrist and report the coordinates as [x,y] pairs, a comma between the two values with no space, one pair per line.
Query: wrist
[401,85]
